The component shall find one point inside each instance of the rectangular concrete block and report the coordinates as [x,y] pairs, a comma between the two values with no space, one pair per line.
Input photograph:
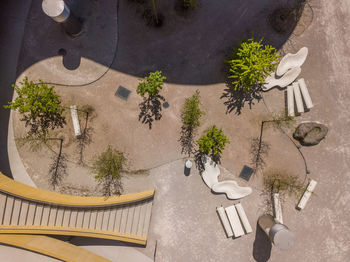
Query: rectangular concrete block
[225,222]
[307,194]
[244,219]
[234,221]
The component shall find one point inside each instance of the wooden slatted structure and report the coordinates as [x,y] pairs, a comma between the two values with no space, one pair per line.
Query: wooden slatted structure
[28,210]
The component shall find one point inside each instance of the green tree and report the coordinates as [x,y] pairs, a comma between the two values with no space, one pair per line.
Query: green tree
[250,63]
[190,116]
[108,167]
[151,85]
[213,143]
[39,106]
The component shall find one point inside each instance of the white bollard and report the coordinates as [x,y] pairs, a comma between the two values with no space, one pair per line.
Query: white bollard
[56,9]
[305,93]
[225,221]
[298,99]
[290,100]
[243,217]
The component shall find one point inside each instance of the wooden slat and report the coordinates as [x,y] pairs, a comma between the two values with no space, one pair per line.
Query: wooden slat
[24,213]
[8,211]
[136,220]
[59,217]
[112,219]
[86,220]
[93,217]
[147,219]
[66,217]
[53,216]
[130,219]
[118,219]
[31,214]
[99,219]
[80,217]
[46,215]
[106,217]
[38,214]
[124,219]
[16,211]
[73,218]
[3,198]
[143,210]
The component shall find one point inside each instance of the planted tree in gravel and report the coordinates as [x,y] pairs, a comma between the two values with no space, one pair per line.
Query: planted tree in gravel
[149,89]
[250,63]
[108,167]
[190,116]
[213,143]
[40,107]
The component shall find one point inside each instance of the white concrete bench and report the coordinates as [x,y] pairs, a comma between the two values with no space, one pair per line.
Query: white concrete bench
[277,207]
[242,215]
[305,93]
[297,96]
[307,194]
[292,60]
[290,100]
[234,221]
[225,221]
[75,119]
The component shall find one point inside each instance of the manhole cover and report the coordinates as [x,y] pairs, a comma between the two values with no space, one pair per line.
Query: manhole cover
[62,51]
[246,172]
[123,93]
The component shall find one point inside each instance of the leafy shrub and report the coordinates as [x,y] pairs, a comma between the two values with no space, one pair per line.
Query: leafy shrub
[108,167]
[39,106]
[213,142]
[250,64]
[282,182]
[151,84]
[190,116]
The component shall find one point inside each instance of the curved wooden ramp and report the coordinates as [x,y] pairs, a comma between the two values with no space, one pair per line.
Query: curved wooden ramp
[28,210]
[51,247]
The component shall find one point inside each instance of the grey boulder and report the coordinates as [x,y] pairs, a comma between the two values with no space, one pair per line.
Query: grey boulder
[310,133]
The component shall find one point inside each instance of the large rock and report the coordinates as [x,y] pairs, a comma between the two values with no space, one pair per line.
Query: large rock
[310,133]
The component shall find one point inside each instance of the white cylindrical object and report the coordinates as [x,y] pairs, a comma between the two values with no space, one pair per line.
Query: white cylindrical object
[243,217]
[298,99]
[307,194]
[188,164]
[290,100]
[305,93]
[225,221]
[277,208]
[56,9]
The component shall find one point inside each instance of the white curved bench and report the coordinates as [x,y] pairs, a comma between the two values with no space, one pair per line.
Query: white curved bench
[211,172]
[285,80]
[231,189]
[292,60]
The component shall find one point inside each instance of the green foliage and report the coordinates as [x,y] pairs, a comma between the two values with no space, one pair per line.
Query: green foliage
[108,167]
[282,119]
[190,3]
[213,142]
[282,182]
[250,64]
[39,106]
[151,84]
[191,113]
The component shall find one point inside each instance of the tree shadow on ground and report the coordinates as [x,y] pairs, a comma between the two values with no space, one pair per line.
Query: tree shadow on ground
[58,167]
[150,109]
[236,99]
[262,246]
[85,138]
[110,186]
[187,141]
